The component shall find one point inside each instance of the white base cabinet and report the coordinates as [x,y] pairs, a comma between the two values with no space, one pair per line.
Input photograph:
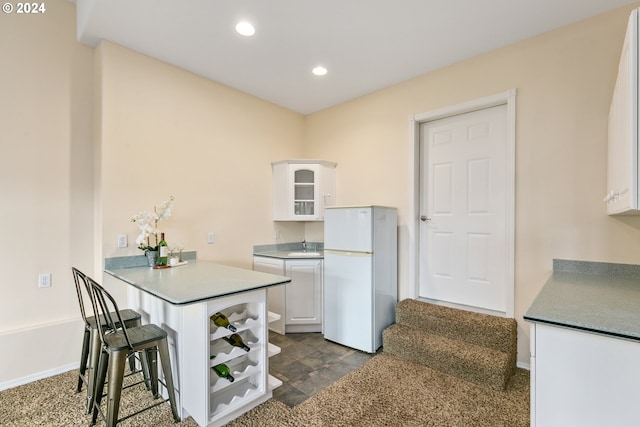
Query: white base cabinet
[196,345]
[298,302]
[583,379]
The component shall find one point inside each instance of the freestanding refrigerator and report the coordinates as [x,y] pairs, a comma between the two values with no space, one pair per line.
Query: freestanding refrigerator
[360,274]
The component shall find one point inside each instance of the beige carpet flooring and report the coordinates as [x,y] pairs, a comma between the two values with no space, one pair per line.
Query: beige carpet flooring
[386,391]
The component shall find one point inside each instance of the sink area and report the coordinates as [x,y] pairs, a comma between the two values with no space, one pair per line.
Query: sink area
[293,250]
[303,254]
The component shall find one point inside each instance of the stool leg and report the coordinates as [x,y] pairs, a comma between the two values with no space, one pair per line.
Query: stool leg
[94,357]
[152,360]
[144,361]
[163,348]
[99,385]
[117,363]
[83,359]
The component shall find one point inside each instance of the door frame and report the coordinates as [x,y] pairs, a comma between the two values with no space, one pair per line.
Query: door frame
[507,98]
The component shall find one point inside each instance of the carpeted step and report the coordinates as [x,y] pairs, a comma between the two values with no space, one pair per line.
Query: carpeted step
[498,333]
[470,362]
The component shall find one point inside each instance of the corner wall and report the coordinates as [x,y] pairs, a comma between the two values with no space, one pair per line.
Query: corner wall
[46,217]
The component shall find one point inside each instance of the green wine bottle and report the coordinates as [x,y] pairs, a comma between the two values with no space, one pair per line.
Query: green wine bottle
[236,341]
[163,251]
[221,320]
[223,372]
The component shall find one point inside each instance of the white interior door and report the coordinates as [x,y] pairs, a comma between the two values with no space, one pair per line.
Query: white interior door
[464,207]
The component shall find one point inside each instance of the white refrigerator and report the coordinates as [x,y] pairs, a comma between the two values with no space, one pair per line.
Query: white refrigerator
[360,274]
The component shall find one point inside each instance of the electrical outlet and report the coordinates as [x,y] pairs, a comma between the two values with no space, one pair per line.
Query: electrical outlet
[122,241]
[211,238]
[276,234]
[44,280]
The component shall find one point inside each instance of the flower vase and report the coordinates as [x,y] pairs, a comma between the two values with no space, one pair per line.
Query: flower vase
[152,258]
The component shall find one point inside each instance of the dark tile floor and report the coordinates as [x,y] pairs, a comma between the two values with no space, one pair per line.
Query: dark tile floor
[308,363]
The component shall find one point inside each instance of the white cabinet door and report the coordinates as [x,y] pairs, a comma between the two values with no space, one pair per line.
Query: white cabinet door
[299,302]
[622,186]
[583,379]
[275,294]
[304,295]
[302,189]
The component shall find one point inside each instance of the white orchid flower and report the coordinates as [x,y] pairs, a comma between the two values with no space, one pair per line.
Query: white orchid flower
[148,223]
[166,209]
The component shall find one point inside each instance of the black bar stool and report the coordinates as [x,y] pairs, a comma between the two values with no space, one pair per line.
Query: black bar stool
[91,340]
[120,342]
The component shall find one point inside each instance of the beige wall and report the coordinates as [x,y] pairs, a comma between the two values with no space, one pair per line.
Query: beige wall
[45,187]
[161,131]
[564,81]
[165,131]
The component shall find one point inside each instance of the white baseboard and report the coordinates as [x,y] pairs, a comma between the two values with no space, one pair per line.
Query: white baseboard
[523,365]
[38,376]
[39,351]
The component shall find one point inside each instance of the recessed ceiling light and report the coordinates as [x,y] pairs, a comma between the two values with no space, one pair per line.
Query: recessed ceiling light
[319,70]
[246,29]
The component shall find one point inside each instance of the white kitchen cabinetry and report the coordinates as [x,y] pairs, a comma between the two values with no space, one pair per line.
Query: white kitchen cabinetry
[302,189]
[303,296]
[300,301]
[583,379]
[622,182]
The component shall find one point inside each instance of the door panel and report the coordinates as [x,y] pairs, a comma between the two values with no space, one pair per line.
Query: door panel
[463,245]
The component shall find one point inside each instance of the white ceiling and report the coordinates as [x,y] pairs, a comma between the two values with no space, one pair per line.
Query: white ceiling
[366,44]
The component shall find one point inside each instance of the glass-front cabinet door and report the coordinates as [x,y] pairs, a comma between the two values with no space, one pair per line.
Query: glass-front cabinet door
[302,189]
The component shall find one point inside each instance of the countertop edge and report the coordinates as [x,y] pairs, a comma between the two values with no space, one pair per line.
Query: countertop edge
[286,256]
[592,297]
[574,327]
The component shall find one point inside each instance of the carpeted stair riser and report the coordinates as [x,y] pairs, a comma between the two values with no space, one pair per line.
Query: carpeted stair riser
[469,362]
[494,332]
[472,346]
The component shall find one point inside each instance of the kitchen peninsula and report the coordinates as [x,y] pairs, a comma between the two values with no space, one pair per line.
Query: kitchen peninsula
[180,300]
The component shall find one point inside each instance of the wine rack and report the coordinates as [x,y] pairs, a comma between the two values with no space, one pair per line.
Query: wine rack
[249,368]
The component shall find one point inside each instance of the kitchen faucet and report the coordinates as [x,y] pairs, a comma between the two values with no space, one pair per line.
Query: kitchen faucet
[304,245]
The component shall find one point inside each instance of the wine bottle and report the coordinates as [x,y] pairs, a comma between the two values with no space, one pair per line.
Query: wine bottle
[223,372]
[221,320]
[163,251]
[236,341]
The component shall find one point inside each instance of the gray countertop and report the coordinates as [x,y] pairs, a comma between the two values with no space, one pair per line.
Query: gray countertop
[290,251]
[195,281]
[594,297]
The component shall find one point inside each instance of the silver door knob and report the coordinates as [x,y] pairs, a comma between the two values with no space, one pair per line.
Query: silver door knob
[424,218]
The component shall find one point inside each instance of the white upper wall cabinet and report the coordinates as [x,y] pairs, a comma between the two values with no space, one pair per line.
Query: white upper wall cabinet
[302,189]
[622,187]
